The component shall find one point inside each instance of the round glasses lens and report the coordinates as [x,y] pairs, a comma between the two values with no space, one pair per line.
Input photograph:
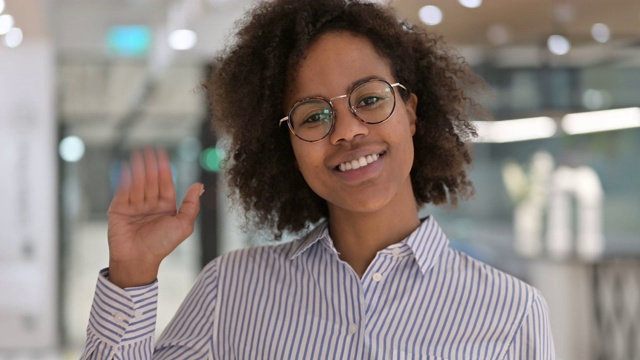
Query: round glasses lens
[311,119]
[373,101]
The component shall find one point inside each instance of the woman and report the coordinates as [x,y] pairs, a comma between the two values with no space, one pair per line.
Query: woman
[342,117]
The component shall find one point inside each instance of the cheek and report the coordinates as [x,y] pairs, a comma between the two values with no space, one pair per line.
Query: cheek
[296,153]
[404,139]
[310,165]
[304,159]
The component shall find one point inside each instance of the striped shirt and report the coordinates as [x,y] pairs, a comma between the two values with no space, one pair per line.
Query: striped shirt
[418,299]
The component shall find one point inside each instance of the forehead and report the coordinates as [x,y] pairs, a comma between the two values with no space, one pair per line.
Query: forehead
[334,62]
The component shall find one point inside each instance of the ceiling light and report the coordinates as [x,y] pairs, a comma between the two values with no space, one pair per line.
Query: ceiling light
[515,130]
[558,44]
[71,149]
[594,99]
[472,4]
[600,32]
[13,38]
[182,39]
[605,120]
[6,23]
[430,15]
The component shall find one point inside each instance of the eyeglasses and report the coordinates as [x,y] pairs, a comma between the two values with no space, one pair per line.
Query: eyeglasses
[372,102]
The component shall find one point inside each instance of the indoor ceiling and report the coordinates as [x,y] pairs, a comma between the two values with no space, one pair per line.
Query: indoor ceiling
[81,25]
[526,25]
[530,21]
[105,98]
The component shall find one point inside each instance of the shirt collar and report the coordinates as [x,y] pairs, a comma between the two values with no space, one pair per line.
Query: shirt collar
[321,231]
[426,242]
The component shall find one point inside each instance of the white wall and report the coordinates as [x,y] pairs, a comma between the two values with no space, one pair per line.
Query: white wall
[28,211]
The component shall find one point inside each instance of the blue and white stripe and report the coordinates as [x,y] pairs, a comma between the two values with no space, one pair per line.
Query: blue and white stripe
[419,299]
[121,319]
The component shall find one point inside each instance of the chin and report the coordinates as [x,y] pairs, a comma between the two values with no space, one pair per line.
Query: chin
[365,206]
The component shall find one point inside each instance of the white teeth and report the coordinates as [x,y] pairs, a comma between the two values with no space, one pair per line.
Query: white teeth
[358,163]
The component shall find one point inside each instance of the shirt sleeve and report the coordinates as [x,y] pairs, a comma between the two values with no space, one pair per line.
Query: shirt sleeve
[122,322]
[533,339]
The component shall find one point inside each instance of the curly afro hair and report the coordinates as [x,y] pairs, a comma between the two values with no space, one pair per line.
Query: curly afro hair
[248,86]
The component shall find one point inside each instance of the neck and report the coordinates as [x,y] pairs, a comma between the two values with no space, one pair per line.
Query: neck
[359,236]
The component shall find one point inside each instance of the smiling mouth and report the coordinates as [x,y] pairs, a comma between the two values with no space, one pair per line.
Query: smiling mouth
[358,163]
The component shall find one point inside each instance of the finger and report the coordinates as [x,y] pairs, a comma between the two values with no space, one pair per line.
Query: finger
[136,194]
[190,207]
[151,190]
[121,195]
[165,180]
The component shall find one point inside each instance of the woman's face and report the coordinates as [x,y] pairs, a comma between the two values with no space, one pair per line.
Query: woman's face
[335,62]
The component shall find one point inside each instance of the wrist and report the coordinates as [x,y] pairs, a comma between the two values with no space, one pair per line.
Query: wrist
[125,275]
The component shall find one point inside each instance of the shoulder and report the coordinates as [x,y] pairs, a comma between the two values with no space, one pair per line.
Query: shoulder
[272,255]
[503,300]
[492,279]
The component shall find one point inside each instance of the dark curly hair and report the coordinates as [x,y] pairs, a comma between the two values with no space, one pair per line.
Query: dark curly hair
[249,82]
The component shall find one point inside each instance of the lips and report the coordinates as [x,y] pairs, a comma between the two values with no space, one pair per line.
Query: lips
[359,162]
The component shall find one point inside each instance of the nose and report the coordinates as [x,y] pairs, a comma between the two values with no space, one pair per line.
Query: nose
[347,126]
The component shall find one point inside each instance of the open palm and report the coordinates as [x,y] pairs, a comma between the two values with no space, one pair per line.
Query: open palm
[144,223]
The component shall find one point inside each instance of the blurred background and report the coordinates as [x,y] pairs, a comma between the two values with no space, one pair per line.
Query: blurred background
[557,175]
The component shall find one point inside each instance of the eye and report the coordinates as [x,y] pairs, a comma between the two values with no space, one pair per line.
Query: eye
[317,118]
[371,101]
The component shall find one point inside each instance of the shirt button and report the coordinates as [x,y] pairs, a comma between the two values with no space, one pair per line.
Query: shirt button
[396,252]
[138,314]
[119,317]
[353,328]
[377,277]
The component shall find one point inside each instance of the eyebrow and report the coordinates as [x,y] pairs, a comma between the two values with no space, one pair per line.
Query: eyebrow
[349,88]
[362,81]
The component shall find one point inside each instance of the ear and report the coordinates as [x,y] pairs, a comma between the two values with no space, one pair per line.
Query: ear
[411,105]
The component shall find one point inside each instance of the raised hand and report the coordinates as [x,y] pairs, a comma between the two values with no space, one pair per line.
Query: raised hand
[144,224]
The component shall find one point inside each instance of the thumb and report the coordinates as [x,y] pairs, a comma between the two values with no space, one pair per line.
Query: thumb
[190,205]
